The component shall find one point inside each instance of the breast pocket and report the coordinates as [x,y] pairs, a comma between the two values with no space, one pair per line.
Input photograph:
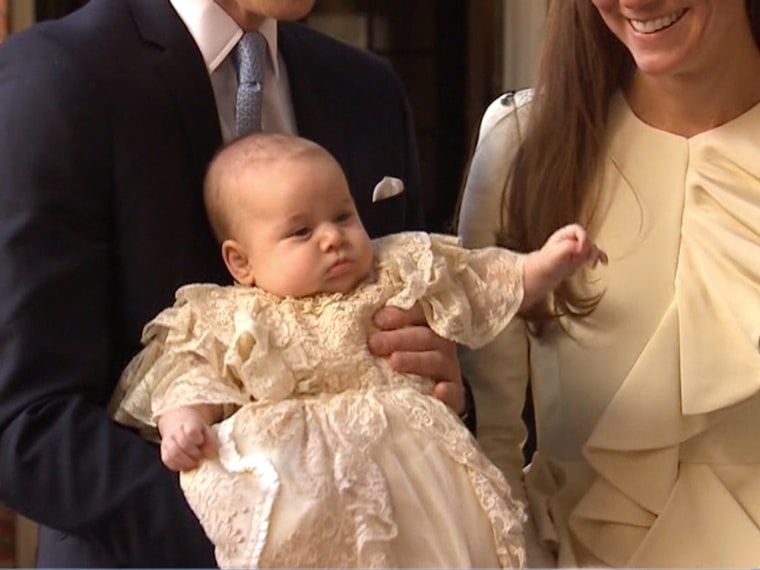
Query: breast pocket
[386,216]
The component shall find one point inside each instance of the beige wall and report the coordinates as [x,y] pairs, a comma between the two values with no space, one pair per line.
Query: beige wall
[3,19]
[522,41]
[26,543]
[15,15]
[22,14]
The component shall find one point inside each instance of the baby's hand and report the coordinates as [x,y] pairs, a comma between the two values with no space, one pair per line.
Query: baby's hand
[186,438]
[563,253]
[568,248]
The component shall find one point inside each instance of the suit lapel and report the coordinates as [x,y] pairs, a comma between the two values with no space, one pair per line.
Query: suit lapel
[181,65]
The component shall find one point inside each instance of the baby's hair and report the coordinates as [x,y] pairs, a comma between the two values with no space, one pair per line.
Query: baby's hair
[244,156]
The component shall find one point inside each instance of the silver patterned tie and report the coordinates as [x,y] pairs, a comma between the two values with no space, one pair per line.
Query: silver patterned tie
[250,57]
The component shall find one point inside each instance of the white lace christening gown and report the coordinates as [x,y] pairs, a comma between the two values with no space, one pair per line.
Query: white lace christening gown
[328,457]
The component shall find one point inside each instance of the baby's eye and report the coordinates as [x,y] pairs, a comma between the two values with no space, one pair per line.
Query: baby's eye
[302,232]
[343,217]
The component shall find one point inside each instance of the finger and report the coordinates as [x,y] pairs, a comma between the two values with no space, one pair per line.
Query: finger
[572,232]
[190,446]
[193,434]
[210,443]
[175,458]
[438,366]
[185,463]
[409,339]
[168,454]
[581,239]
[597,256]
[390,318]
[451,394]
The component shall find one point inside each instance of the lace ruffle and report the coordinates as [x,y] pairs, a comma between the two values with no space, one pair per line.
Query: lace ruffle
[699,370]
[323,450]
[312,404]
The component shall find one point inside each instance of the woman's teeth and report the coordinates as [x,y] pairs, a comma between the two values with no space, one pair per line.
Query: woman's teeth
[651,26]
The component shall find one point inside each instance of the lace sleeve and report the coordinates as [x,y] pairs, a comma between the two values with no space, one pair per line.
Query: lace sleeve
[468,296]
[183,363]
[474,293]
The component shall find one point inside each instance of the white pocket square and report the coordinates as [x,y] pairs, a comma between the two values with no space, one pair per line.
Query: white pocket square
[387,188]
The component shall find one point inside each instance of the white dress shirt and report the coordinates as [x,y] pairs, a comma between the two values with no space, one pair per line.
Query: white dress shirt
[216,35]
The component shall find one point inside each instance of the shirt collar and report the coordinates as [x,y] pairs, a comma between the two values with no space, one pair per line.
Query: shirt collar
[217,34]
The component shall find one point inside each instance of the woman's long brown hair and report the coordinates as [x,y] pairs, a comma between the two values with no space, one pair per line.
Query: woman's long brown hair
[552,179]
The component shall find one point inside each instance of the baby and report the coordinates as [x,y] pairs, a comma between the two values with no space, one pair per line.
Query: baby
[296,446]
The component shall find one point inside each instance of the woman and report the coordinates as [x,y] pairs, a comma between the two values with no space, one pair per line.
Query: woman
[644,126]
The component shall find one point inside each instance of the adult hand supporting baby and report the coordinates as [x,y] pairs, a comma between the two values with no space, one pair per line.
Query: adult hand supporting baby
[411,346]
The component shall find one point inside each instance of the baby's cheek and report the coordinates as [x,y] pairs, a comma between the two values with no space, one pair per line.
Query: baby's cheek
[297,276]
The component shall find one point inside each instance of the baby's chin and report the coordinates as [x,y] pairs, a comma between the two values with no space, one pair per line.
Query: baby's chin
[342,282]
[343,286]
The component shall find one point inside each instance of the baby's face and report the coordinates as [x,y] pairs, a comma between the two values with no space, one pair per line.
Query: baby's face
[301,231]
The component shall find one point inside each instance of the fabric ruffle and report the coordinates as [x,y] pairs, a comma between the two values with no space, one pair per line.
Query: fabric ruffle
[312,405]
[183,361]
[468,296]
[253,344]
[652,474]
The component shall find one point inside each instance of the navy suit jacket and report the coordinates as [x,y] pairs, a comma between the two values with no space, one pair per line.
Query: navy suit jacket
[107,124]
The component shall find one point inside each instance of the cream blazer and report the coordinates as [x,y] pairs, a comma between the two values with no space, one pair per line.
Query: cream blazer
[648,411]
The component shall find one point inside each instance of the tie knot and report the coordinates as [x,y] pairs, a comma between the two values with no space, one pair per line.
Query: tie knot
[251,55]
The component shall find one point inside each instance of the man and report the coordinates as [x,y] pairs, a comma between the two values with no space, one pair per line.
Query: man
[108,119]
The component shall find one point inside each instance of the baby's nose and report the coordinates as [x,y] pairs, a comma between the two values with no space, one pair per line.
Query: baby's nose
[332,236]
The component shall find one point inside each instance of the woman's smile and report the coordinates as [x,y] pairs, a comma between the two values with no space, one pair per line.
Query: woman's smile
[657,24]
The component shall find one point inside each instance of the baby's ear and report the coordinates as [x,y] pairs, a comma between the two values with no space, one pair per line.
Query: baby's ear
[236,260]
